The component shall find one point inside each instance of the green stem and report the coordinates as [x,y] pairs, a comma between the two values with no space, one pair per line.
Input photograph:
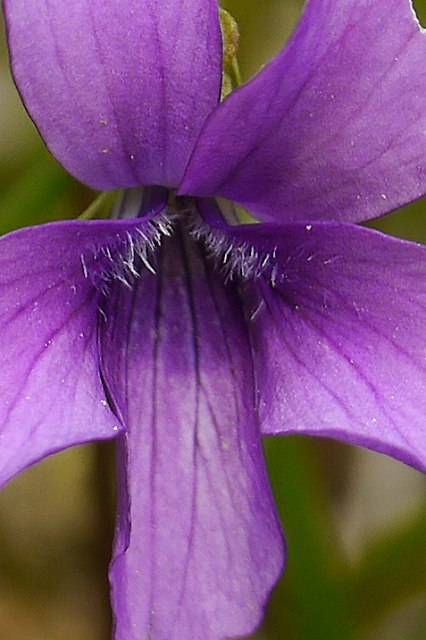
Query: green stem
[312,602]
[392,571]
[104,505]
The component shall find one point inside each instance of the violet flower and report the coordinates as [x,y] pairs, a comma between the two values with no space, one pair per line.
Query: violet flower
[303,323]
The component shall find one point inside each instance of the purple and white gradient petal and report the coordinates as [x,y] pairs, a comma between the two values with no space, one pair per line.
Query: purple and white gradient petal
[198,546]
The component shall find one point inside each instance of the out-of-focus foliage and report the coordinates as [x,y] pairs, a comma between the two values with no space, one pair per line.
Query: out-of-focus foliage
[355,521]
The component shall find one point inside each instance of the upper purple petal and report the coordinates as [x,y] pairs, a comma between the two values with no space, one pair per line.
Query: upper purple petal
[118,89]
[51,391]
[338,329]
[333,128]
[198,545]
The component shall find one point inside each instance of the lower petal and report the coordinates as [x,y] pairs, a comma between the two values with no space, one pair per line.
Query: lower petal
[198,546]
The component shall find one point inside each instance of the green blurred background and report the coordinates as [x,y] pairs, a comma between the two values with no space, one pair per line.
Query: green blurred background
[355,521]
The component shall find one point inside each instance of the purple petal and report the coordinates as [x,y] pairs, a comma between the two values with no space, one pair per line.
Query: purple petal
[118,90]
[51,392]
[333,128]
[198,546]
[338,328]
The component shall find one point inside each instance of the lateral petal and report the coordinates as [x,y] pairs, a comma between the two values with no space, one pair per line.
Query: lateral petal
[118,90]
[334,128]
[51,391]
[198,546]
[338,329]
